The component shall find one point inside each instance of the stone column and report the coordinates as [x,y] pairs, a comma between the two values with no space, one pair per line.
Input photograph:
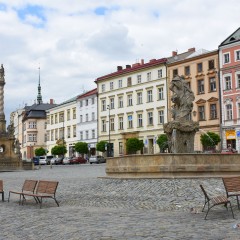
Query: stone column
[2,115]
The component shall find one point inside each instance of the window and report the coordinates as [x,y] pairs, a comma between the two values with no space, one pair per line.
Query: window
[120,102]
[228,83]
[211,64]
[93,116]
[187,70]
[120,148]
[237,57]
[32,125]
[212,84]
[150,118]
[56,134]
[61,117]
[238,105]
[139,78]
[103,87]
[129,81]
[111,103]
[160,73]
[81,118]
[149,96]
[175,72]
[201,113]
[32,137]
[74,113]
[81,104]
[68,132]
[52,134]
[103,105]
[52,119]
[111,85]
[229,112]
[74,131]
[200,86]
[103,125]
[93,133]
[199,67]
[86,102]
[160,93]
[139,98]
[120,120]
[112,124]
[86,120]
[120,83]
[226,58]
[140,121]
[238,80]
[149,76]
[161,117]
[213,111]
[68,114]
[129,99]
[93,100]
[130,121]
[81,135]
[87,135]
[56,118]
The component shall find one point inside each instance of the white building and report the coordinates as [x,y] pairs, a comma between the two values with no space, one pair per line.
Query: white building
[132,102]
[87,119]
[62,125]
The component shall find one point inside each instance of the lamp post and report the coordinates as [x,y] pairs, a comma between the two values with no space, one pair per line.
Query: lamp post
[63,133]
[109,143]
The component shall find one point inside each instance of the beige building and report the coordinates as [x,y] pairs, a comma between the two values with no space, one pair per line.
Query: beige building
[132,102]
[200,70]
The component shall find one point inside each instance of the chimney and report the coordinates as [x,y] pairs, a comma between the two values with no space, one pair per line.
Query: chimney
[128,66]
[142,61]
[119,68]
[51,101]
[174,53]
[191,49]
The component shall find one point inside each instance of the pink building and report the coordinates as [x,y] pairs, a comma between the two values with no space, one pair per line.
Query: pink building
[229,75]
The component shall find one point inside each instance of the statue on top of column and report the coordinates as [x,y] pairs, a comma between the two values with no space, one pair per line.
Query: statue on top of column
[2,71]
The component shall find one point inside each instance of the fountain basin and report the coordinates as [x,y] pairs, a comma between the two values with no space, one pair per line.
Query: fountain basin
[180,165]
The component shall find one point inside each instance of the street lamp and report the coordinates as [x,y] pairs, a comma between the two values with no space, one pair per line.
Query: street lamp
[109,144]
[63,133]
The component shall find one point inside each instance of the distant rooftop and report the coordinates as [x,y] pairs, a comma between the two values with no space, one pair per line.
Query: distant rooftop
[198,53]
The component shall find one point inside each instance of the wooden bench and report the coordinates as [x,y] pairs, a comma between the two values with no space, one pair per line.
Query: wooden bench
[232,187]
[45,189]
[28,187]
[1,189]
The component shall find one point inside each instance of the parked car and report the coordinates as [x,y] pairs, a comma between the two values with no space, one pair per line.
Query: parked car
[49,159]
[59,160]
[229,151]
[66,160]
[35,160]
[77,160]
[97,159]
[42,160]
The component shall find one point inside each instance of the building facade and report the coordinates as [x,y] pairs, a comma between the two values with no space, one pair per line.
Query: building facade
[229,61]
[87,120]
[62,125]
[200,70]
[132,102]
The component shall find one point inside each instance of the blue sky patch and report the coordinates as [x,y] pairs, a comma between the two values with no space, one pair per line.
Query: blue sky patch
[100,10]
[33,11]
[3,7]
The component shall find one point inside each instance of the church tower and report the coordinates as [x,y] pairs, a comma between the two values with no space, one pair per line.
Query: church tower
[39,96]
[2,115]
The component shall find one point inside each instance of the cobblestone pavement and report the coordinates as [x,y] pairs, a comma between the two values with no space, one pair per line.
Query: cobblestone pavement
[107,209]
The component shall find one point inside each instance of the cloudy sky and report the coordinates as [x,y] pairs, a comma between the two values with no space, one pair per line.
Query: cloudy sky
[76,41]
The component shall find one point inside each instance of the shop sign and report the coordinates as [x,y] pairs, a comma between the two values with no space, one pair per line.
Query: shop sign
[230,134]
[238,134]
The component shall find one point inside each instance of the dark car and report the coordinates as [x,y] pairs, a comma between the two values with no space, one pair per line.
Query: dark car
[59,160]
[35,160]
[77,160]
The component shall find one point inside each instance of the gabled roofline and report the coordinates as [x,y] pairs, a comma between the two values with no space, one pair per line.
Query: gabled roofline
[227,38]
[89,93]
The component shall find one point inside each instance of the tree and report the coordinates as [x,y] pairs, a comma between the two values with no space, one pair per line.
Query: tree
[81,147]
[40,151]
[101,146]
[59,150]
[133,145]
[210,140]
[162,142]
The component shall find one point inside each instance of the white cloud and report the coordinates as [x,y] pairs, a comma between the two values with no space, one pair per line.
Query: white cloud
[77,41]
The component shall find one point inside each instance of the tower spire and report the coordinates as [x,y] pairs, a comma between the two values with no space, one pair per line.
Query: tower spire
[39,96]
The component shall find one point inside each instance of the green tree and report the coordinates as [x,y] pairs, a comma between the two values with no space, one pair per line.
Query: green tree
[59,150]
[210,140]
[133,145]
[101,146]
[162,142]
[81,147]
[40,151]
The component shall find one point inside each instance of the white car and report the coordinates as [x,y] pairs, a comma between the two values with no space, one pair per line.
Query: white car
[66,160]
[97,159]
[42,160]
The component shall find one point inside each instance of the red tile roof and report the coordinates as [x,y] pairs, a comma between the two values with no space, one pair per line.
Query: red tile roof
[89,93]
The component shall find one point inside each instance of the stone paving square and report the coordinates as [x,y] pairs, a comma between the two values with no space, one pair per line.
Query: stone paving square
[114,209]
